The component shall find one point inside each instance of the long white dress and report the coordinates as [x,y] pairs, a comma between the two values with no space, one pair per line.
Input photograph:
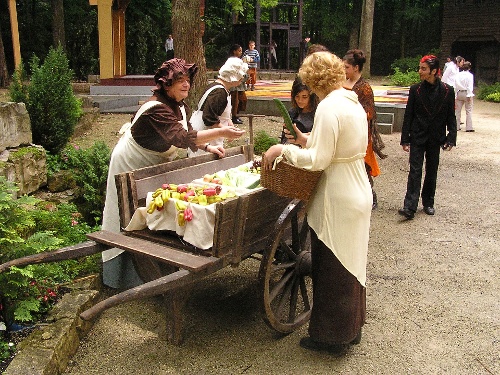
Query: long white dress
[340,210]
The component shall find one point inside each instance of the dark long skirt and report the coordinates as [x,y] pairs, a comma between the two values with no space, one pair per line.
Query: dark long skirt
[339,300]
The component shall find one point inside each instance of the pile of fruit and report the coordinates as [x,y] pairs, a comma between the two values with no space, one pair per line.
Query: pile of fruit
[202,195]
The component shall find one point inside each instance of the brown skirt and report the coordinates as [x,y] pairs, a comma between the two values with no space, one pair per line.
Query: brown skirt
[339,300]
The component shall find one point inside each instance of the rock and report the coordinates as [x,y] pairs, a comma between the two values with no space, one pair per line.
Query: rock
[15,125]
[61,181]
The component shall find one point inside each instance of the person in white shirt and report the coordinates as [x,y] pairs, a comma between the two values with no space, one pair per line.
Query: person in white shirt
[169,47]
[452,71]
[464,86]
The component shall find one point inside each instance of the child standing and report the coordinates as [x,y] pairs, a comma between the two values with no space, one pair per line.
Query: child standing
[252,57]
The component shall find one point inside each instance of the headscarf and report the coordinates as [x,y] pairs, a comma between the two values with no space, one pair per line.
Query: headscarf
[234,69]
[172,69]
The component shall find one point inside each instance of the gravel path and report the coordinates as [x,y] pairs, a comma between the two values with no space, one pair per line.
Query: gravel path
[432,291]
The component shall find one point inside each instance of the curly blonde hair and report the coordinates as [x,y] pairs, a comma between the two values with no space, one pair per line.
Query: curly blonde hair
[323,72]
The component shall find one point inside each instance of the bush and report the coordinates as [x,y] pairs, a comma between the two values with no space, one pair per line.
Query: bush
[489,92]
[29,226]
[53,108]
[406,64]
[404,79]
[262,141]
[90,171]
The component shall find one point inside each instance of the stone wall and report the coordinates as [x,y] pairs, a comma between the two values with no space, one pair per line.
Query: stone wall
[20,161]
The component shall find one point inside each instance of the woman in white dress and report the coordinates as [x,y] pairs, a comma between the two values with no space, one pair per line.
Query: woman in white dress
[339,211]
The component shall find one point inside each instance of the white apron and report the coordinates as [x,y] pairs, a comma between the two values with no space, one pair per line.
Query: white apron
[127,156]
[198,124]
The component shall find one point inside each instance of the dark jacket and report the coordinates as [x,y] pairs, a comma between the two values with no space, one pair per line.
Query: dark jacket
[430,111]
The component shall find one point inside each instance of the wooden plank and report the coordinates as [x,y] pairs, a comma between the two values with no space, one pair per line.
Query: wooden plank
[141,173]
[181,259]
[65,253]
[185,175]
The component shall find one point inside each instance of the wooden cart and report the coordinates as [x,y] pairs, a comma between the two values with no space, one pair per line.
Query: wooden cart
[258,225]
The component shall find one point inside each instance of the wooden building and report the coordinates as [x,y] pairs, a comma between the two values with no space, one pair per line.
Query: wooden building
[471,29]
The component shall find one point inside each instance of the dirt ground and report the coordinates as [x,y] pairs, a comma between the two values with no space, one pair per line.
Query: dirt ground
[432,292]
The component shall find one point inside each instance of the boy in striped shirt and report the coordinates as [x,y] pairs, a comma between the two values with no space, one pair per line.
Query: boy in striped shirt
[252,58]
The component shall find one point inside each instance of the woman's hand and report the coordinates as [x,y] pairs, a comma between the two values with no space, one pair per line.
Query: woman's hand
[217,150]
[301,139]
[270,155]
[232,132]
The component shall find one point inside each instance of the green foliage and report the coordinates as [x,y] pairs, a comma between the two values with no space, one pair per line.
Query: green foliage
[18,91]
[53,108]
[262,141]
[29,226]
[494,97]
[406,64]
[404,79]
[90,170]
[489,92]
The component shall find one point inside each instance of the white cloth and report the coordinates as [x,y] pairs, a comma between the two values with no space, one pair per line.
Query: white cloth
[340,210]
[127,156]
[450,74]
[198,232]
[198,124]
[464,81]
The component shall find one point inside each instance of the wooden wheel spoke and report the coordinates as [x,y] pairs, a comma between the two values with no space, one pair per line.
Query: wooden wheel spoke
[283,266]
[284,298]
[287,250]
[280,285]
[293,299]
[303,292]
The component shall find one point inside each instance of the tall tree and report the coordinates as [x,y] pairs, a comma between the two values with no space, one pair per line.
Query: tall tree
[366,32]
[187,30]
[58,35]
[4,74]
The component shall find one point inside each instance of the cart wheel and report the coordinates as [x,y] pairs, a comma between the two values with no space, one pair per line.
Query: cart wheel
[285,270]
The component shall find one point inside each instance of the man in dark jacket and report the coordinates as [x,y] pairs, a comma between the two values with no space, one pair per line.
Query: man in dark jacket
[430,111]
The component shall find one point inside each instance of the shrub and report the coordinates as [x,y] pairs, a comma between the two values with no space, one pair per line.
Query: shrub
[53,108]
[406,64]
[489,92]
[262,141]
[29,226]
[90,170]
[18,91]
[404,79]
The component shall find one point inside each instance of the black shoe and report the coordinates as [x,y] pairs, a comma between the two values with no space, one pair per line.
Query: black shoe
[429,210]
[309,343]
[357,339]
[470,131]
[237,120]
[407,213]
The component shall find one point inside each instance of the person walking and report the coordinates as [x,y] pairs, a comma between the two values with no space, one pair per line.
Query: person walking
[169,47]
[430,111]
[339,211]
[464,84]
[252,57]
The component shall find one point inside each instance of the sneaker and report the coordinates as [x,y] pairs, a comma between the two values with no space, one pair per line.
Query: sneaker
[237,120]
[429,210]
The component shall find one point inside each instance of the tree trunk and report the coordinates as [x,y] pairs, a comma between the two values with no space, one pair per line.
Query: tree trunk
[354,34]
[365,40]
[58,36]
[4,73]
[187,31]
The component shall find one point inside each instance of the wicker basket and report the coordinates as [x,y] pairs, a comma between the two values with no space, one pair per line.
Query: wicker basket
[290,181]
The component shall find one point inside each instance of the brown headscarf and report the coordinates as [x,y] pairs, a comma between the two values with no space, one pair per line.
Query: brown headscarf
[172,69]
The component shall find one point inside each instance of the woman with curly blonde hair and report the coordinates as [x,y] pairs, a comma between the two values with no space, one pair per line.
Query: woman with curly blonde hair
[339,211]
